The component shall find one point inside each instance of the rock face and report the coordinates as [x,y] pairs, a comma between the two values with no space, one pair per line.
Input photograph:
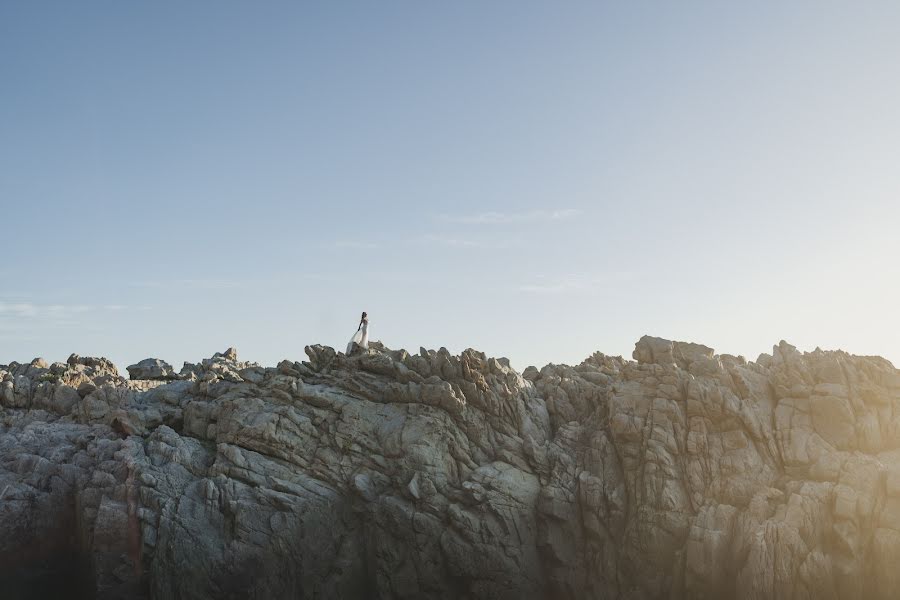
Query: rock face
[682,475]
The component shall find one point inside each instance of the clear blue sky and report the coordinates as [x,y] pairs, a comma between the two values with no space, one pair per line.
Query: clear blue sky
[535,180]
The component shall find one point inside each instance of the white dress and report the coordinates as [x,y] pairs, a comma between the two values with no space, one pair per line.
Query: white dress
[360,338]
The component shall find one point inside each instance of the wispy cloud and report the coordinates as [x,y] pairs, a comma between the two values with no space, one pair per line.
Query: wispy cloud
[572,283]
[65,309]
[352,245]
[462,242]
[18,309]
[455,242]
[559,286]
[56,311]
[504,218]
[200,284]
[18,338]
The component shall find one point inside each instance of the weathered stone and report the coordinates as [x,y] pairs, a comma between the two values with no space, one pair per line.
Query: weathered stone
[382,474]
[86,388]
[153,369]
[652,350]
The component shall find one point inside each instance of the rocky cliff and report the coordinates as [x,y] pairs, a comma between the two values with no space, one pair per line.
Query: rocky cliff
[384,474]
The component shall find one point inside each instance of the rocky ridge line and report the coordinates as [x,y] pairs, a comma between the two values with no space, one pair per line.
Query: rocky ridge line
[681,474]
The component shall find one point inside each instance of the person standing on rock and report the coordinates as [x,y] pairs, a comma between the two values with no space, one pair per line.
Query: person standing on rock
[361,337]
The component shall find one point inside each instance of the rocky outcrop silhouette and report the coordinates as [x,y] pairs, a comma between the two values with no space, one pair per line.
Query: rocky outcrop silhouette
[385,474]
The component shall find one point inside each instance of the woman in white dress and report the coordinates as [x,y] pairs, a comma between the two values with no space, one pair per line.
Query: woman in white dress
[361,337]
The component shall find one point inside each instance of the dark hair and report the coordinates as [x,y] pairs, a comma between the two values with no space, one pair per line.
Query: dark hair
[363,316]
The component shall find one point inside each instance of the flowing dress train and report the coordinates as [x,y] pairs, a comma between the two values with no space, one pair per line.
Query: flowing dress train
[360,338]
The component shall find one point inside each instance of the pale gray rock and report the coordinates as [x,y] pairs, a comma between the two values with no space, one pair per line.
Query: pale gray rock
[152,369]
[382,474]
[653,350]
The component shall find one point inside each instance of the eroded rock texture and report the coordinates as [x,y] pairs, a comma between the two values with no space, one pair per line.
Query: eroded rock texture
[681,474]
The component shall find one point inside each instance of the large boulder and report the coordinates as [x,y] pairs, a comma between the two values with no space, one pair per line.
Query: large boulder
[153,369]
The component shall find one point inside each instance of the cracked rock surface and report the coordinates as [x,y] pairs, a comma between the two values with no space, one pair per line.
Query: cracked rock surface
[384,474]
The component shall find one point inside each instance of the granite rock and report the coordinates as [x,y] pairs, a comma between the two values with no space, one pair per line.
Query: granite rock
[682,474]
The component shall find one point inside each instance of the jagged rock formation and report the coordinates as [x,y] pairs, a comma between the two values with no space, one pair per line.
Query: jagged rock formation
[390,475]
